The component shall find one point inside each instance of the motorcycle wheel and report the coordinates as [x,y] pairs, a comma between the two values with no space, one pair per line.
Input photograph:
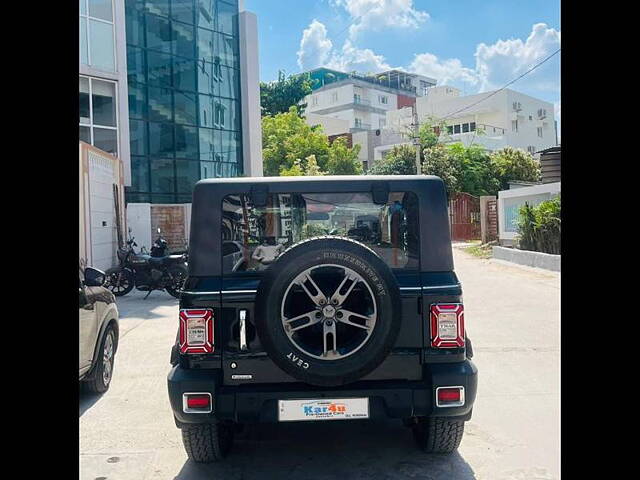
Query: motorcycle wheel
[179,276]
[119,281]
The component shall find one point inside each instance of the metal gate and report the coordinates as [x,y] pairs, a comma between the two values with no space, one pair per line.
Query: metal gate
[464,215]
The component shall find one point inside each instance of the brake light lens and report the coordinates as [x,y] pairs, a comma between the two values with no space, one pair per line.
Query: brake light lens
[449,396]
[196,331]
[447,325]
[198,401]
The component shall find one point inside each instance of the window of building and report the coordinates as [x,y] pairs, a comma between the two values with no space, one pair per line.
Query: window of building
[97,40]
[514,125]
[423,87]
[530,118]
[314,100]
[219,115]
[456,129]
[472,126]
[531,149]
[449,129]
[540,132]
[465,128]
[383,99]
[358,122]
[98,114]
[391,229]
[334,97]
[357,98]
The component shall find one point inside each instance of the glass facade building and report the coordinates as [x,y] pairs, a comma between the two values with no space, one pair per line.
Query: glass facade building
[183,73]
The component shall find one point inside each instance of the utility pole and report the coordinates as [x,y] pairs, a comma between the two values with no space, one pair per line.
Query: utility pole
[416,139]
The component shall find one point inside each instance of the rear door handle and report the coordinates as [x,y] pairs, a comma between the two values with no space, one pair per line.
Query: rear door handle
[243,330]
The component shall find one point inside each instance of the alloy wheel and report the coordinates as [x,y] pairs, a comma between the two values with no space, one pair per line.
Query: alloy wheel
[329,312]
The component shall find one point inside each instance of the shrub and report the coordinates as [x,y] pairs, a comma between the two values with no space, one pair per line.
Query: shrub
[539,227]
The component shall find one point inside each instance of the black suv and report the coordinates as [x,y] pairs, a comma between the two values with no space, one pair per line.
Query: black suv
[345,306]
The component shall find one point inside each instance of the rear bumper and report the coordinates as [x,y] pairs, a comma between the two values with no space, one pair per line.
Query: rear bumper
[387,399]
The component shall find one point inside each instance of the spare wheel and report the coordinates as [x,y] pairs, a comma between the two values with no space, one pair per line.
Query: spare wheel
[328,311]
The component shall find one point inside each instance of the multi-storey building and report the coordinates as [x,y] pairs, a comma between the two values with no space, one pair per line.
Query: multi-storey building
[104,110]
[357,104]
[193,90]
[362,100]
[493,119]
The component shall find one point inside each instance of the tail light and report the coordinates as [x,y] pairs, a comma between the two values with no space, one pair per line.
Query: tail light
[196,331]
[447,325]
[197,402]
[449,396]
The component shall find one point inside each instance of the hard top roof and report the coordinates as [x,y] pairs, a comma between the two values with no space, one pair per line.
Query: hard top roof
[323,178]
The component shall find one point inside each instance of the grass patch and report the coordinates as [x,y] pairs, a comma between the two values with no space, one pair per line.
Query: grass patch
[481,250]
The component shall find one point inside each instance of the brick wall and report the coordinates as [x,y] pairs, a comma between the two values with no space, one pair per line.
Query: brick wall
[405,101]
[170,219]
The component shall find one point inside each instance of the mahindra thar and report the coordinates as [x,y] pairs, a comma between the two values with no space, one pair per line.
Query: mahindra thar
[319,299]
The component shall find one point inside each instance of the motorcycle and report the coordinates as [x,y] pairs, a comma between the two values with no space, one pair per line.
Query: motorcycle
[147,273]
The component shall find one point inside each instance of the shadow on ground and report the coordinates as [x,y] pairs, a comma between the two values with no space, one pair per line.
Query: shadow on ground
[344,451]
[87,400]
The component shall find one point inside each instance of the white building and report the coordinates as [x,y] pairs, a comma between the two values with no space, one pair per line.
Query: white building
[507,118]
[363,101]
[358,104]
[494,120]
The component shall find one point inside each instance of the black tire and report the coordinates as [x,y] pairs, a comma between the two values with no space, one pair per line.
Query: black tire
[97,381]
[438,434]
[382,287]
[179,275]
[120,281]
[207,442]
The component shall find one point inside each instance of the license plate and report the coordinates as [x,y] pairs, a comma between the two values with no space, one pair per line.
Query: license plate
[323,409]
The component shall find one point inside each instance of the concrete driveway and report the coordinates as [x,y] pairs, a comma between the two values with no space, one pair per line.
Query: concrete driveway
[512,316]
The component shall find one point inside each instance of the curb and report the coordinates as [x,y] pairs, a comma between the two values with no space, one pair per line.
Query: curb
[546,261]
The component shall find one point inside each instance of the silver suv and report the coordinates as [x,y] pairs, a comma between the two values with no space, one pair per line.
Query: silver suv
[98,317]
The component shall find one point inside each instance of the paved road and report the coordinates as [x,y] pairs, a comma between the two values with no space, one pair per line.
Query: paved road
[512,316]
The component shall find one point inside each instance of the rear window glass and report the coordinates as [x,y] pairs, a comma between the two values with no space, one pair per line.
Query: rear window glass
[254,237]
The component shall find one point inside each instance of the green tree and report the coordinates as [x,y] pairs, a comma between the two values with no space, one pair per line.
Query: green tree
[400,160]
[279,95]
[342,159]
[286,138]
[474,169]
[514,164]
[309,168]
[438,161]
[291,147]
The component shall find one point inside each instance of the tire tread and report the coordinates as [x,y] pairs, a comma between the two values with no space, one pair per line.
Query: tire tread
[439,435]
[203,442]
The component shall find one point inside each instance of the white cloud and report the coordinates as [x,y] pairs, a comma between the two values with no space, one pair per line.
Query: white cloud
[375,15]
[314,46]
[504,60]
[359,59]
[445,72]
[496,64]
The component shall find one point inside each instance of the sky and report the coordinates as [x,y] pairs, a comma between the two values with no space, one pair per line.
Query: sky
[473,45]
